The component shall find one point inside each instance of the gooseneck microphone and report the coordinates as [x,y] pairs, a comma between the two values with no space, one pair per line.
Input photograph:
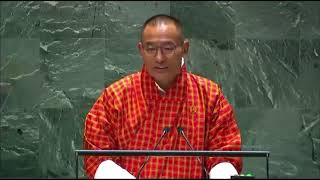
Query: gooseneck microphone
[180,130]
[164,132]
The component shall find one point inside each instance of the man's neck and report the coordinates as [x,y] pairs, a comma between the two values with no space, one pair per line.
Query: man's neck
[162,89]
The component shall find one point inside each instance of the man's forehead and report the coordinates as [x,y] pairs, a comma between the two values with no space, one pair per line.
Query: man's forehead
[161,24]
[161,42]
[161,36]
[162,28]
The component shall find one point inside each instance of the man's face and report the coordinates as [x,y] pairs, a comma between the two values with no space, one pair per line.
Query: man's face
[162,50]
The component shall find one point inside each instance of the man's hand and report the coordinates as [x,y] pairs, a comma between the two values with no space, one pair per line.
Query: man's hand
[110,170]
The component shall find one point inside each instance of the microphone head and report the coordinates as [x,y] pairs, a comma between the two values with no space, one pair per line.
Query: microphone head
[180,129]
[166,129]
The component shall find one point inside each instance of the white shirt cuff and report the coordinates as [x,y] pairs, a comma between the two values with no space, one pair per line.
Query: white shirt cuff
[223,170]
[110,170]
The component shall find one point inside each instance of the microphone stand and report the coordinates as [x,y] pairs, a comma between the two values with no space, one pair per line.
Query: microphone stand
[164,132]
[180,130]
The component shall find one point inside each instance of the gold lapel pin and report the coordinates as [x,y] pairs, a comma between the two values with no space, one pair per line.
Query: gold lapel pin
[193,109]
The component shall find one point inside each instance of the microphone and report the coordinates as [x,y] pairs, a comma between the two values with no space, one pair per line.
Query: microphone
[180,130]
[164,132]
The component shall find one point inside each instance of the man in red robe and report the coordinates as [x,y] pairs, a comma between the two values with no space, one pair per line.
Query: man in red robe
[132,113]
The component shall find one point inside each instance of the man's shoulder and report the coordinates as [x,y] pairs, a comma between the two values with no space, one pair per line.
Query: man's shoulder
[206,88]
[124,84]
[203,82]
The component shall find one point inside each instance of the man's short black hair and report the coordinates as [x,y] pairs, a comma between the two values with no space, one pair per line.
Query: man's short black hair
[162,18]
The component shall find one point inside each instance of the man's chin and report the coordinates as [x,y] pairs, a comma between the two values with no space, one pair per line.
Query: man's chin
[160,76]
[160,80]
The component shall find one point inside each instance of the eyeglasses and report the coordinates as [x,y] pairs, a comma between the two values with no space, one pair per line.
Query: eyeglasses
[166,49]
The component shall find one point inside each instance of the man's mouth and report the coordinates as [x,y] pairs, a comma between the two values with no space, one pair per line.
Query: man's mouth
[160,69]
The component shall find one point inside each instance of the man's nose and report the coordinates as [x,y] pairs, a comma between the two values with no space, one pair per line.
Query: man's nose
[159,56]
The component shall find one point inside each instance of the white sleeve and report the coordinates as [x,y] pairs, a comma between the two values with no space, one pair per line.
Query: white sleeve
[110,170]
[223,170]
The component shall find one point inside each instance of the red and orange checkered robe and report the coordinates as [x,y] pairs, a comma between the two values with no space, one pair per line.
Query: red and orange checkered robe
[131,114]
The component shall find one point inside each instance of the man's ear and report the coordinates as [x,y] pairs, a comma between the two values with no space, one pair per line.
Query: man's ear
[140,48]
[185,47]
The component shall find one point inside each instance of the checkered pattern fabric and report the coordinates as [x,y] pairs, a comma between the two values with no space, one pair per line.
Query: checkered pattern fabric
[131,114]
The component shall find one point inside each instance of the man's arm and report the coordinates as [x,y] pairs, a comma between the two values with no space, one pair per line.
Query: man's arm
[223,135]
[98,132]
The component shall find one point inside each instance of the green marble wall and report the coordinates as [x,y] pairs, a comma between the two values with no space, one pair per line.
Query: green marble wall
[57,56]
